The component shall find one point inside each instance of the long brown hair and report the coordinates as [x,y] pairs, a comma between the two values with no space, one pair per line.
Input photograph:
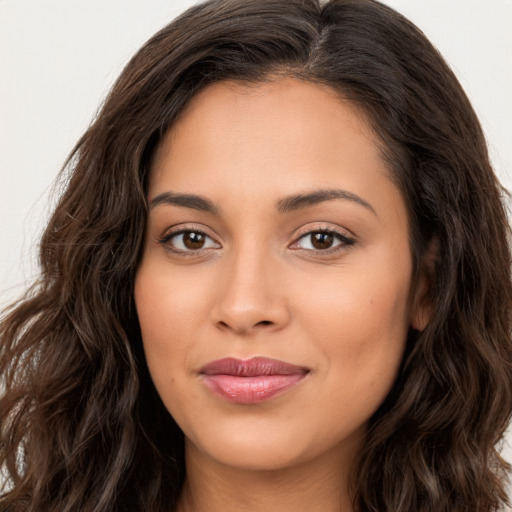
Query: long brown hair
[82,427]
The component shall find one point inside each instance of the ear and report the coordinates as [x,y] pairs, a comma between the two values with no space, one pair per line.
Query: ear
[422,305]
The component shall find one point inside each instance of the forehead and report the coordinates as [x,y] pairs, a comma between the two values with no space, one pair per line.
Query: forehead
[278,108]
[278,137]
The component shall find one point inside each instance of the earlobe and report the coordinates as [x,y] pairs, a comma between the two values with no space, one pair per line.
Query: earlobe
[421,312]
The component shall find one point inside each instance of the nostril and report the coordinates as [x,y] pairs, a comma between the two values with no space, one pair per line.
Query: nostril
[226,325]
[264,322]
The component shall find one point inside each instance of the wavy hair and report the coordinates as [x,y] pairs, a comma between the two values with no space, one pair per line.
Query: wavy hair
[82,427]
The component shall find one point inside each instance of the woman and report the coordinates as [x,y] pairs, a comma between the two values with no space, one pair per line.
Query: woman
[278,279]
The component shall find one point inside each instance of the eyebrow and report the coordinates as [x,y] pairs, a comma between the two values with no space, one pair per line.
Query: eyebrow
[288,204]
[304,200]
[185,200]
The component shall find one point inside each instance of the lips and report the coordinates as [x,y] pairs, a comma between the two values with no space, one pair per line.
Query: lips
[250,381]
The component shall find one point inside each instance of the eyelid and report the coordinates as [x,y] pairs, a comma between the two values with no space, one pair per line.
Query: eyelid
[174,231]
[346,238]
[312,227]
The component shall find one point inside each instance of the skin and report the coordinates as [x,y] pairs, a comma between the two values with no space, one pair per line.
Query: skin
[260,287]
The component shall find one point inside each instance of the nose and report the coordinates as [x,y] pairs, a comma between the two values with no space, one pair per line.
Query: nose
[251,297]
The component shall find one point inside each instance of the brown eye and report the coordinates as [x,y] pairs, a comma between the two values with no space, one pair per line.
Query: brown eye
[188,241]
[193,240]
[322,240]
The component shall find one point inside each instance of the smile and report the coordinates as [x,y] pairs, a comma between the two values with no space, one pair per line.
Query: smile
[251,381]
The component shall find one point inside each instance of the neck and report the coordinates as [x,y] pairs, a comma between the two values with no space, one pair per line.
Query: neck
[321,485]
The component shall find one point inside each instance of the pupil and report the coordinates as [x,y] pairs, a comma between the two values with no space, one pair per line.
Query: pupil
[322,240]
[193,240]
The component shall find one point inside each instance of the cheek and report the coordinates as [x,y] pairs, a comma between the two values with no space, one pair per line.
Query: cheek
[168,308]
[359,321]
[167,300]
[355,301]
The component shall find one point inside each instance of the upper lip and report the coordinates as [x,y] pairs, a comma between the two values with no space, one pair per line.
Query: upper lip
[253,367]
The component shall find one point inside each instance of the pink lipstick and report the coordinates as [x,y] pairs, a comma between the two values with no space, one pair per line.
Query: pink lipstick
[250,381]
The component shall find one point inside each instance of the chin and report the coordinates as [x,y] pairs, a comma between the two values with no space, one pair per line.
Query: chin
[259,447]
[252,454]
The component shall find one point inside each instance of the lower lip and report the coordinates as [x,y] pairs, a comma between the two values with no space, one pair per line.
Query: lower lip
[251,390]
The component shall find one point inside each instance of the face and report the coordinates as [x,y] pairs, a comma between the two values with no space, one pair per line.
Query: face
[275,289]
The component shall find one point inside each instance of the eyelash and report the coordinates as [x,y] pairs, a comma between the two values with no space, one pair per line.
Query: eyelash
[166,239]
[344,241]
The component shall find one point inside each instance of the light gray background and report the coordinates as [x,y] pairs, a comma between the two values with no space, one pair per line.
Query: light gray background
[59,57]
